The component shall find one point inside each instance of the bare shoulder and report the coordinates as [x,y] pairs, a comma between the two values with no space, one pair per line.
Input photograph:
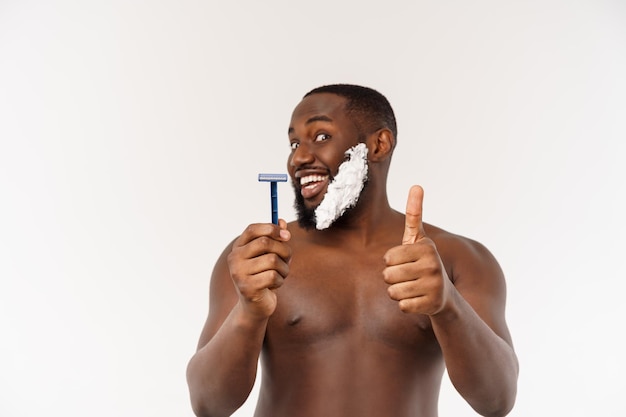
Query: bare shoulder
[463,255]
[476,274]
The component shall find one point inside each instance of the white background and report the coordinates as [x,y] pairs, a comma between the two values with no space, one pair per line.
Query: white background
[132,132]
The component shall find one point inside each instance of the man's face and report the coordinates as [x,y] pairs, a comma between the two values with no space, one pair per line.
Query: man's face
[320,132]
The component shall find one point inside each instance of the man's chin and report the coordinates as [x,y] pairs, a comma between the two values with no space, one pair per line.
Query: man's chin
[307,224]
[306,217]
[304,213]
[307,220]
[305,210]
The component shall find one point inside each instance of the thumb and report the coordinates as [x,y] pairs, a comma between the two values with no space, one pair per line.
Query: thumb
[413,227]
[284,233]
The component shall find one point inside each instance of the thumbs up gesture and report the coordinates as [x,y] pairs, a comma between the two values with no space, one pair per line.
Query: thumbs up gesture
[414,271]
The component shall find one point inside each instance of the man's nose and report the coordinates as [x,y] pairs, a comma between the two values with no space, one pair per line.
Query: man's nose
[302,155]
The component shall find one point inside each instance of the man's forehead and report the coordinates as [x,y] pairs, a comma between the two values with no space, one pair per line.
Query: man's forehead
[319,104]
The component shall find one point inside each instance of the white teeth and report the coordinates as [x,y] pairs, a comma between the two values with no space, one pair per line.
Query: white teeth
[312,178]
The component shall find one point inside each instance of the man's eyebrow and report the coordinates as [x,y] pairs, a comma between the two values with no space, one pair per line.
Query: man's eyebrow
[320,118]
[313,119]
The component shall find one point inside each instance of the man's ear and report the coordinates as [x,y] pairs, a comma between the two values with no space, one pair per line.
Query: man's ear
[380,145]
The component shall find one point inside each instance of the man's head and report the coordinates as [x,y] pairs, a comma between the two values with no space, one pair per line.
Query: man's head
[329,121]
[369,109]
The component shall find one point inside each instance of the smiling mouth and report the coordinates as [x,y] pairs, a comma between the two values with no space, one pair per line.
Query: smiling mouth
[312,185]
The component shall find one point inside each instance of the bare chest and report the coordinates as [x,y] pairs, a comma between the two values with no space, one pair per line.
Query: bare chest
[330,297]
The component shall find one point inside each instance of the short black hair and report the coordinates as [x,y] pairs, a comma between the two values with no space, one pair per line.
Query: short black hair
[365,104]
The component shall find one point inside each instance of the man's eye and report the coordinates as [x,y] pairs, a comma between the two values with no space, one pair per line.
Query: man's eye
[320,137]
[294,145]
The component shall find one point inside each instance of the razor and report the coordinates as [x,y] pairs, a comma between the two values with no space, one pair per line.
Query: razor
[273,179]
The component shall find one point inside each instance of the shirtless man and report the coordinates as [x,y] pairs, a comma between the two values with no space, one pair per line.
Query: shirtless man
[360,318]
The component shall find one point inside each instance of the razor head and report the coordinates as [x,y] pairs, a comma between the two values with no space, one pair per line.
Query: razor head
[273,177]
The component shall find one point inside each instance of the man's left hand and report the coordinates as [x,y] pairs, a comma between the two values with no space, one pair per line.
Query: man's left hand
[415,273]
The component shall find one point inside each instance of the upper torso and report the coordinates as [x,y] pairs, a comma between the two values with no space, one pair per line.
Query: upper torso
[337,345]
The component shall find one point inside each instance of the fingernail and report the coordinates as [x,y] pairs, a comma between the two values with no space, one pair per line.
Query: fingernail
[285,234]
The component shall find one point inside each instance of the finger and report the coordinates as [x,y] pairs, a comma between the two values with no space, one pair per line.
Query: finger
[404,291]
[269,262]
[413,227]
[255,231]
[264,280]
[401,273]
[402,254]
[265,245]
[284,233]
[413,305]
[269,279]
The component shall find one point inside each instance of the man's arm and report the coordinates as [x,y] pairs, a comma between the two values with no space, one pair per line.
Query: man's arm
[467,316]
[222,372]
[473,335]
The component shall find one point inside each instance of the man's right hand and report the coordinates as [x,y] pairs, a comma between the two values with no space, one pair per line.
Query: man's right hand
[258,264]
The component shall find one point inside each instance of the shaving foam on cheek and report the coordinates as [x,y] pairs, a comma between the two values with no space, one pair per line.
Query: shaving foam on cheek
[344,191]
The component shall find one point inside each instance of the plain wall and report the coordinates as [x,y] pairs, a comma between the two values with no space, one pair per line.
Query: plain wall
[132,132]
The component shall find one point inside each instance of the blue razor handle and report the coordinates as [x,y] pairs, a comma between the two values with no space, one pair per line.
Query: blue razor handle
[273,179]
